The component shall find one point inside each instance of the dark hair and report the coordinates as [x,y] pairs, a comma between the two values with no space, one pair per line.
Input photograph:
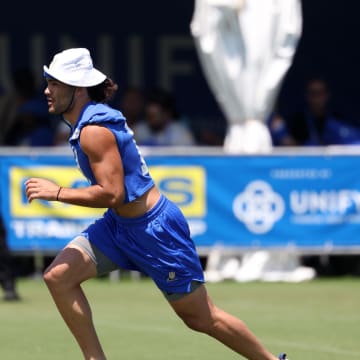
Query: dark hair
[104,92]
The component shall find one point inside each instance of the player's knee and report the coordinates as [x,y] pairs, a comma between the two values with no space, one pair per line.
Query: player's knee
[50,277]
[54,278]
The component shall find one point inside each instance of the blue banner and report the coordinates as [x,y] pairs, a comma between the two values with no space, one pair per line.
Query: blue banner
[248,202]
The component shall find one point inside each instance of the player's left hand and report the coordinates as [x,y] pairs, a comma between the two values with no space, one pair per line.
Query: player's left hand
[44,189]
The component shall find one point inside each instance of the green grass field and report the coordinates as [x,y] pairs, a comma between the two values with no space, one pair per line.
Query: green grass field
[318,320]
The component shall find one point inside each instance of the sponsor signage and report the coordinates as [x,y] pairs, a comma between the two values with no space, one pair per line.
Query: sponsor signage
[303,202]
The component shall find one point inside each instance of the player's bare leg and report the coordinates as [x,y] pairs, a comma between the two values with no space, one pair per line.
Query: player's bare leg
[200,314]
[63,278]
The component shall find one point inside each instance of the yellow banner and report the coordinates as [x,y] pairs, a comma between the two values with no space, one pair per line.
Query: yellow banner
[184,185]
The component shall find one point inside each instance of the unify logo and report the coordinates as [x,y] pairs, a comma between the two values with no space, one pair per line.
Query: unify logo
[258,207]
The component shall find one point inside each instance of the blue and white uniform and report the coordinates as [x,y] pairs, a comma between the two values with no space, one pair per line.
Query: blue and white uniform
[157,243]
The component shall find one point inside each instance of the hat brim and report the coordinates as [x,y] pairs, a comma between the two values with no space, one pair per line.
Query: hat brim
[92,78]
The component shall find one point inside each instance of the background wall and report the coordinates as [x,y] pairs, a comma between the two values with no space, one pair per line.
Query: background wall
[148,43]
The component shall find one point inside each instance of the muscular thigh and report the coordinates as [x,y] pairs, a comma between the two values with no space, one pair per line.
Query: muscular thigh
[72,264]
[195,304]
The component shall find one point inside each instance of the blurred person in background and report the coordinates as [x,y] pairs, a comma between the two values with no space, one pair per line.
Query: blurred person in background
[279,131]
[132,105]
[162,125]
[7,277]
[32,125]
[141,229]
[317,124]
[24,89]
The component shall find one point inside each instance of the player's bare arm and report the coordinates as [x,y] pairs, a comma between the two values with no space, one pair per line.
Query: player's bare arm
[100,146]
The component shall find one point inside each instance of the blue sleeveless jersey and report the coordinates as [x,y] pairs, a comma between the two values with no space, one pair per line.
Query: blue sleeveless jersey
[137,177]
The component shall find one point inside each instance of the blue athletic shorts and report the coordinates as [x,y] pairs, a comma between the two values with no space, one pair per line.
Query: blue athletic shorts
[158,244]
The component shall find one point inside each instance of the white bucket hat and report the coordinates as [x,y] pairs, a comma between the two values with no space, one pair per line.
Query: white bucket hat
[74,67]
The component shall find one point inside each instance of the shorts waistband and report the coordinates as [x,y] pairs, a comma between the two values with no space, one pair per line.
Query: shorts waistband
[148,216]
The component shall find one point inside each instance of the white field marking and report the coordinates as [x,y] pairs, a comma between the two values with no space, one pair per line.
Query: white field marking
[316,348]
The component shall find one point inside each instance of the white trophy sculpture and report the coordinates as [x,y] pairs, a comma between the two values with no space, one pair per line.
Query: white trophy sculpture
[245,48]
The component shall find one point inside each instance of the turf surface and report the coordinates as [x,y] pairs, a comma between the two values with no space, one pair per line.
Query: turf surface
[317,320]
